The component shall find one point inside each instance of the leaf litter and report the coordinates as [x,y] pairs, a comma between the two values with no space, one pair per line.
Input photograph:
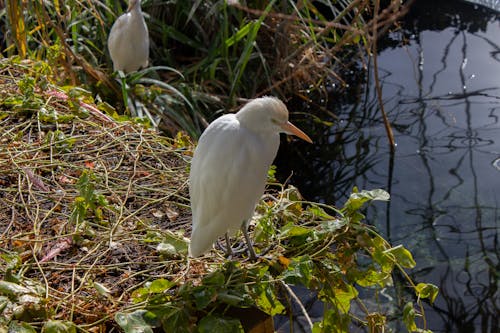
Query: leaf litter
[83,199]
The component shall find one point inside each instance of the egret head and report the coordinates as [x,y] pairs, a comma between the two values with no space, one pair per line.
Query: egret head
[133,4]
[268,114]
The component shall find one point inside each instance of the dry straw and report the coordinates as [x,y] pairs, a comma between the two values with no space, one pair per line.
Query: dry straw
[128,182]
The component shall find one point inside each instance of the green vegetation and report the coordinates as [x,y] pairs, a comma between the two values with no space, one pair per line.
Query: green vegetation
[222,54]
[94,209]
[305,235]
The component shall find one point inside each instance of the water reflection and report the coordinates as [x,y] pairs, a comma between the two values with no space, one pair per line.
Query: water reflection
[493,4]
[441,85]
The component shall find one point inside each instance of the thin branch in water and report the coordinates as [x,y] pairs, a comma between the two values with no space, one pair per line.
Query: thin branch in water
[301,306]
[387,124]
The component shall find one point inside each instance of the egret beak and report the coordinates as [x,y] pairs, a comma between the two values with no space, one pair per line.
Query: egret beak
[290,128]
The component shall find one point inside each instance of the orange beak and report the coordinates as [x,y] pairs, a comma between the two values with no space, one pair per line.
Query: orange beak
[290,128]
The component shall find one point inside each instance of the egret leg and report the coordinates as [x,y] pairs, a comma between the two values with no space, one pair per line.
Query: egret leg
[229,248]
[251,251]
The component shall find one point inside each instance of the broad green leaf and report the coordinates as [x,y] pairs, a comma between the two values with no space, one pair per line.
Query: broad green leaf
[176,320]
[358,199]
[333,226]
[344,296]
[215,279]
[372,277]
[333,321]
[160,286]
[133,322]
[300,271]
[203,295]
[268,302]
[427,290]
[215,324]
[58,326]
[402,256]
[409,317]
[140,295]
[172,244]
[292,230]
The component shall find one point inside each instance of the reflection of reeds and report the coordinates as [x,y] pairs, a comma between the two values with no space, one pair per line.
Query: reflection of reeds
[450,219]
[225,52]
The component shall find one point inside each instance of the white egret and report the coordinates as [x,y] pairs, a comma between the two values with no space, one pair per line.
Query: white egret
[128,41]
[229,170]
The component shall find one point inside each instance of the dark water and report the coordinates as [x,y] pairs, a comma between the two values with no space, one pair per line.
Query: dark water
[440,76]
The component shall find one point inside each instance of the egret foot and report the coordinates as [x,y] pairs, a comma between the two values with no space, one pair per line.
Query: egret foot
[251,252]
[229,249]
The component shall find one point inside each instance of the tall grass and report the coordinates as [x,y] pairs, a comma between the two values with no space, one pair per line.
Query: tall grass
[225,52]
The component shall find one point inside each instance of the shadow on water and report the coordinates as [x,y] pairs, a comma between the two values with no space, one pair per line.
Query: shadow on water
[440,75]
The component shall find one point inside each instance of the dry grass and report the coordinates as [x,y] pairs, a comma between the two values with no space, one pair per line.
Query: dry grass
[141,175]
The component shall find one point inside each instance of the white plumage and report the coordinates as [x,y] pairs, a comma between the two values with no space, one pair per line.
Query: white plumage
[128,41]
[229,169]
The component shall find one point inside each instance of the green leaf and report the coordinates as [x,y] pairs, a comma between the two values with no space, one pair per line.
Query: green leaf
[292,230]
[172,245]
[237,300]
[409,317]
[215,324]
[160,286]
[402,256]
[358,199]
[333,226]
[267,300]
[85,186]
[79,211]
[242,32]
[176,320]
[372,277]
[12,289]
[214,279]
[271,173]
[58,326]
[140,295]
[133,322]
[317,327]
[344,296]
[20,327]
[300,271]
[102,289]
[427,290]
[319,212]
[203,296]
